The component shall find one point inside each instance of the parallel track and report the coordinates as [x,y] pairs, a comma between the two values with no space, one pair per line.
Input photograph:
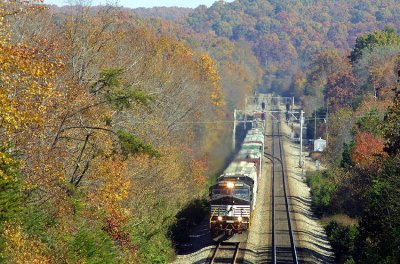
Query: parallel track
[283,243]
[225,253]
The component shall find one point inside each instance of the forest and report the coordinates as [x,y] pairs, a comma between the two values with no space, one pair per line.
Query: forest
[356,195]
[104,136]
[107,113]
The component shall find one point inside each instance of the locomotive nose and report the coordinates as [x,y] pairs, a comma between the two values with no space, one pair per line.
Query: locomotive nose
[229,210]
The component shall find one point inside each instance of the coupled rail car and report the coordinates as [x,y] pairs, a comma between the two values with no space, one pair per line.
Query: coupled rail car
[233,196]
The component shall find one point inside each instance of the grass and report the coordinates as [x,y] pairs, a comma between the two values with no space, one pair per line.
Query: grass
[341,219]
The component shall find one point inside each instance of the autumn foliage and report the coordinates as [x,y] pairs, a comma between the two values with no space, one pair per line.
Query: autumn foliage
[368,151]
[98,150]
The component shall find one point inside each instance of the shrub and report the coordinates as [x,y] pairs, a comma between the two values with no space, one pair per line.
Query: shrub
[322,187]
[91,245]
[343,240]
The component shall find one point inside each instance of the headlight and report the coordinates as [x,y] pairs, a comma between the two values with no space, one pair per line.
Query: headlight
[230,185]
[219,218]
[240,219]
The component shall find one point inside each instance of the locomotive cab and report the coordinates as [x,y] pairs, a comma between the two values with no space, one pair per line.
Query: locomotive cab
[230,207]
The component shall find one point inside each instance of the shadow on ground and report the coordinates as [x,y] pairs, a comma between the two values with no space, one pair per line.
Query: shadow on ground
[191,231]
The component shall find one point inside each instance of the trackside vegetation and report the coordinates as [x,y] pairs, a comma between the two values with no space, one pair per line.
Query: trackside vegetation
[364,164]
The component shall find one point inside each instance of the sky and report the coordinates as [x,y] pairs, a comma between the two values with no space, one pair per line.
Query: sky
[144,3]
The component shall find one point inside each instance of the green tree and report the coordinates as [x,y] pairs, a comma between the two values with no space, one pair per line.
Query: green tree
[346,155]
[343,239]
[391,129]
[380,222]
[372,40]
[10,186]
[370,122]
[322,186]
[91,245]
[11,194]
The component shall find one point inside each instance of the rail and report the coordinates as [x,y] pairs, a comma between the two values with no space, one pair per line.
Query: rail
[287,206]
[273,195]
[226,249]
[292,241]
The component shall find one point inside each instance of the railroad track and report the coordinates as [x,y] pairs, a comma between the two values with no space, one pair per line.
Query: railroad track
[283,243]
[225,253]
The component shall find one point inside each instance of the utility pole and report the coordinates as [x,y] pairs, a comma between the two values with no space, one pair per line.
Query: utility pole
[234,130]
[245,115]
[291,112]
[327,113]
[315,122]
[301,139]
[292,104]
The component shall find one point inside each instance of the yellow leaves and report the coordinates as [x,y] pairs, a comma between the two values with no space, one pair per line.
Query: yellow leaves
[22,249]
[300,83]
[114,186]
[26,85]
[209,75]
[370,103]
[5,160]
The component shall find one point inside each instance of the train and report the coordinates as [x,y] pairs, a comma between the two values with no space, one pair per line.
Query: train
[233,196]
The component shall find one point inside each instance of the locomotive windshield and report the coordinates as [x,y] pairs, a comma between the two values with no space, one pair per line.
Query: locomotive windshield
[239,192]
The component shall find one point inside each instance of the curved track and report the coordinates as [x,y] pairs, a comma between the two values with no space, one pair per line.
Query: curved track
[225,253]
[283,243]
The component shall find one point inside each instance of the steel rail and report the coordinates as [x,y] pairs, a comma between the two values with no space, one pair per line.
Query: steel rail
[270,157]
[273,195]
[235,254]
[218,248]
[214,255]
[291,234]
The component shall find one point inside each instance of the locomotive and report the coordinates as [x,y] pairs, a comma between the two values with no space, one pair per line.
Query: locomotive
[233,196]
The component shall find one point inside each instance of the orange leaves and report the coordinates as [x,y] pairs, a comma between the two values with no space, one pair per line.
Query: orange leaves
[114,184]
[199,168]
[113,228]
[368,152]
[341,89]
[111,189]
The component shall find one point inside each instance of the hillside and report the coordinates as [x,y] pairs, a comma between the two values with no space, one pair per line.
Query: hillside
[113,121]
[104,135]
[285,35]
[167,13]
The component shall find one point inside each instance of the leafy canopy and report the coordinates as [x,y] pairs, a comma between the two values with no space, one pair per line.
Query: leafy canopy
[375,39]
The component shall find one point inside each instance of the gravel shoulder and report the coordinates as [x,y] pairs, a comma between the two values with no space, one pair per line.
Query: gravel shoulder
[311,240]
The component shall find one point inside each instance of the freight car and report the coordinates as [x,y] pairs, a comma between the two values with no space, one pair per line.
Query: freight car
[233,197]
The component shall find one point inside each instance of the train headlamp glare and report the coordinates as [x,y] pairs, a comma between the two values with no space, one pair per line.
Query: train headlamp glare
[240,219]
[230,185]
[219,218]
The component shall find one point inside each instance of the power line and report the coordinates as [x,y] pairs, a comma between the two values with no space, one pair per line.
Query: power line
[319,117]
